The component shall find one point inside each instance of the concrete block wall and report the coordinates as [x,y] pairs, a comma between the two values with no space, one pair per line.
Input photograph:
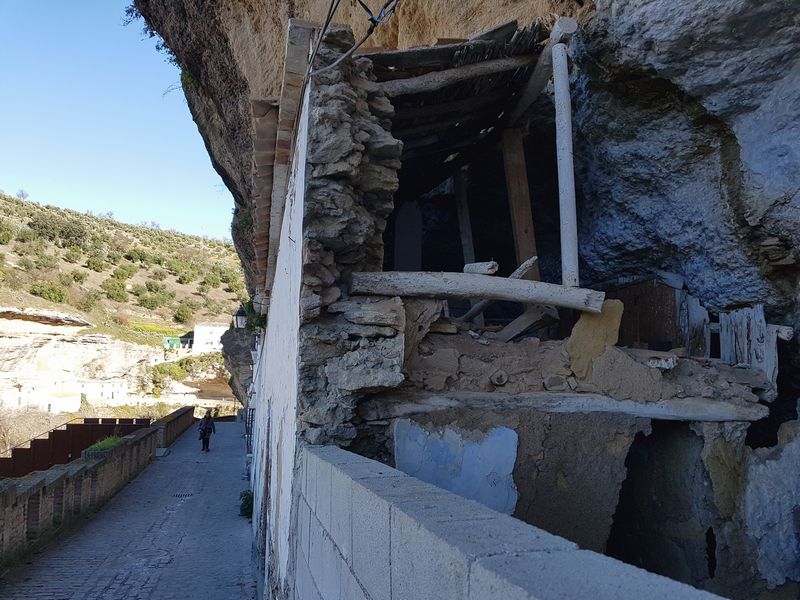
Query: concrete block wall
[365,531]
[35,507]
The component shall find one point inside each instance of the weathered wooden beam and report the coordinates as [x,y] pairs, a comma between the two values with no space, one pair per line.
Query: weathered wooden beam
[782,332]
[519,199]
[563,30]
[519,273]
[501,33]
[405,113]
[531,316]
[406,404]
[482,268]
[437,80]
[468,285]
[425,57]
[465,224]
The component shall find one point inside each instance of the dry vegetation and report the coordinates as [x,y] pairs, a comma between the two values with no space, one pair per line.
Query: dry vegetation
[137,282]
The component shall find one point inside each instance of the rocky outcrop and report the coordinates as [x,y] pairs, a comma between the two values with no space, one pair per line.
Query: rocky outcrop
[688,145]
[237,345]
[348,347]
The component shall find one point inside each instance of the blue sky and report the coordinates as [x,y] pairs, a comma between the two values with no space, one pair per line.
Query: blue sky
[85,122]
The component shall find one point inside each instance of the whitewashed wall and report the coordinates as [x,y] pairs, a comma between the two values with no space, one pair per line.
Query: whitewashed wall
[276,378]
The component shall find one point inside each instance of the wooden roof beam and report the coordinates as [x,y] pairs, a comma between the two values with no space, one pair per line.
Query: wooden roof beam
[563,30]
[437,80]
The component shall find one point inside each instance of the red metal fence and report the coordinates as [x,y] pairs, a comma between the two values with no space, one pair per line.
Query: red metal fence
[64,444]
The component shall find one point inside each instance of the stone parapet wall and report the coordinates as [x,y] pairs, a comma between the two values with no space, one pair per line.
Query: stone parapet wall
[37,507]
[366,531]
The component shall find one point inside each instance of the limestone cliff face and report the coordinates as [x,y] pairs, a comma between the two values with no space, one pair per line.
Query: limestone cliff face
[686,119]
[688,116]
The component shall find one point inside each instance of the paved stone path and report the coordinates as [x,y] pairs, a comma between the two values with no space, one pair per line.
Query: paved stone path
[172,533]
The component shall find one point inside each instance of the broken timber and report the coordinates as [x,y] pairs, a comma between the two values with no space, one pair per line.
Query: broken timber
[436,80]
[519,273]
[399,405]
[467,285]
[482,268]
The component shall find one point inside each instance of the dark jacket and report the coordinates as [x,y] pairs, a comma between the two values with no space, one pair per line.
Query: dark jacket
[206,427]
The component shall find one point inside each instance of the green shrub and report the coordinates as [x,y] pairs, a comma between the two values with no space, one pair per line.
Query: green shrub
[186,277]
[203,289]
[115,290]
[49,291]
[124,272]
[73,255]
[65,279]
[159,275]
[46,261]
[79,276]
[26,263]
[114,257]
[63,231]
[246,504]
[6,235]
[155,287]
[105,444]
[26,235]
[183,314]
[212,280]
[97,263]
[88,301]
[138,289]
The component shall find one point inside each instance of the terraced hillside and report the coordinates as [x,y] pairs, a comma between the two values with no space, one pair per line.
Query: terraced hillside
[135,282]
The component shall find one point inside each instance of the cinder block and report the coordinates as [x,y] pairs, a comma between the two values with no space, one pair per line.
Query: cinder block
[325,563]
[342,513]
[571,574]
[371,549]
[303,526]
[351,589]
[432,549]
[304,587]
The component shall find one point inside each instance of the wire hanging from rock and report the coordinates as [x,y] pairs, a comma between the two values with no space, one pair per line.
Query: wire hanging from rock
[383,16]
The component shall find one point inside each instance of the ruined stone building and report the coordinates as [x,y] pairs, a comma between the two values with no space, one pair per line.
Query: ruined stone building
[439,414]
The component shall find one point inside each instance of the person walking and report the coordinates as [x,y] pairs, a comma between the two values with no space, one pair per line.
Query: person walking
[206,428]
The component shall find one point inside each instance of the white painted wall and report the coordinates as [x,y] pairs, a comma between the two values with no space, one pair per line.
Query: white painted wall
[276,375]
[208,337]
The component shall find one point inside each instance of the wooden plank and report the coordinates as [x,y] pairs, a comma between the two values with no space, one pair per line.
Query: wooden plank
[406,404]
[437,80]
[425,57]
[482,268]
[467,285]
[745,338]
[531,316]
[519,200]
[467,105]
[501,33]
[519,273]
[464,223]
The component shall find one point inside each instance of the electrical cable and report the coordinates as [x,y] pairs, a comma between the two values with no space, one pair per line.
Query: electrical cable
[383,16]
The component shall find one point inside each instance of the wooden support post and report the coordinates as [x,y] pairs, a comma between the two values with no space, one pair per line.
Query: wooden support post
[464,223]
[519,200]
[467,285]
[566,175]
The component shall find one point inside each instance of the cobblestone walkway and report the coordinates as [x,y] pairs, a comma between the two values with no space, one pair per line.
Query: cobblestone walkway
[172,533]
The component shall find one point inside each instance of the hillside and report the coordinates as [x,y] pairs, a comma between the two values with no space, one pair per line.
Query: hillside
[134,282]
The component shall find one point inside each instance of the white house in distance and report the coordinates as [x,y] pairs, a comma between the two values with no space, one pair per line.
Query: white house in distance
[208,337]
